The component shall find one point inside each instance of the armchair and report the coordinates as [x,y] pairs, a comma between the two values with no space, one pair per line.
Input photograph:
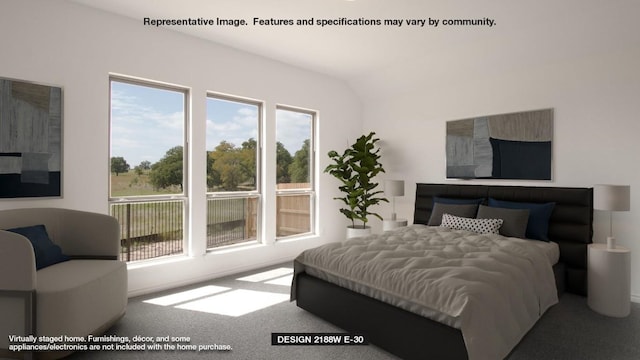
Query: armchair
[85,295]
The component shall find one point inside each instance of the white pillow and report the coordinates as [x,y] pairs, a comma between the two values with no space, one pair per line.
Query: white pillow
[480,226]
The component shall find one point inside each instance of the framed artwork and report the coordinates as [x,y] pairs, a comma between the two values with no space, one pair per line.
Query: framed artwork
[30,140]
[506,146]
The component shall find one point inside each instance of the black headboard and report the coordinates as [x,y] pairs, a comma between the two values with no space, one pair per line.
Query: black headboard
[571,223]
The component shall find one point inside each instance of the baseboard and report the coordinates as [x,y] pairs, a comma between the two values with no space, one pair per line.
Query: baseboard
[209,277]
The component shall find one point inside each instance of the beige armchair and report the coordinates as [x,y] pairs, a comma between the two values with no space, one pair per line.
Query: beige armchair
[84,295]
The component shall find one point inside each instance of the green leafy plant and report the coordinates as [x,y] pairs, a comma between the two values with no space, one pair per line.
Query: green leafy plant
[356,168]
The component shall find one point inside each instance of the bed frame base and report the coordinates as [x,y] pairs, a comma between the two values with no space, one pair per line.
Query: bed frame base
[395,330]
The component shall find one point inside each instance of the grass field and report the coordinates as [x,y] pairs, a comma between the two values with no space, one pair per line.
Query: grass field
[132,184]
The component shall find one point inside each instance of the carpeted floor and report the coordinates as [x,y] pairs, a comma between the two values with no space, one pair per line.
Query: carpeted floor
[569,330]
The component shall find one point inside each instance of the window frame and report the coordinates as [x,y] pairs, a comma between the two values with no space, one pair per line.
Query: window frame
[257,193]
[311,190]
[185,137]
[134,199]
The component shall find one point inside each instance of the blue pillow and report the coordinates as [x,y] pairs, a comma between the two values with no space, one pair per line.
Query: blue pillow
[539,214]
[456,201]
[47,253]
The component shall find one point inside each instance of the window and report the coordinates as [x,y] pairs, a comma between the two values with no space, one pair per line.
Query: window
[294,171]
[233,148]
[148,183]
[147,167]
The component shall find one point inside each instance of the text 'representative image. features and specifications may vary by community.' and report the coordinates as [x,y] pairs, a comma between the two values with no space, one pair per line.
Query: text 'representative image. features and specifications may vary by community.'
[323,22]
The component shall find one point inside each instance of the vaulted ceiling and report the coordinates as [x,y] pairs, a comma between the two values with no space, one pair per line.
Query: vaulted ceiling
[377,59]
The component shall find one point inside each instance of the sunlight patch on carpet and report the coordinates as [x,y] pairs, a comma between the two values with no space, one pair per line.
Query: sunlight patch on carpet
[285,280]
[267,275]
[236,302]
[185,296]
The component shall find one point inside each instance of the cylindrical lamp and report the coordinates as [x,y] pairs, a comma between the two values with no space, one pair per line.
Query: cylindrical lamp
[394,188]
[611,198]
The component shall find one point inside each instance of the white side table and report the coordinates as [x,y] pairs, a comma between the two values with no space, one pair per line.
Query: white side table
[609,284]
[388,224]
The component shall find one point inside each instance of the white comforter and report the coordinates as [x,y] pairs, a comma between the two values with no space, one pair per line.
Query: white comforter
[491,287]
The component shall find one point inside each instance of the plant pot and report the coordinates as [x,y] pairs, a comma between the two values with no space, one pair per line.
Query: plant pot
[358,231]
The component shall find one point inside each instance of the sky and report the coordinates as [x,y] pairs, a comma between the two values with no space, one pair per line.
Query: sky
[145,122]
[148,121]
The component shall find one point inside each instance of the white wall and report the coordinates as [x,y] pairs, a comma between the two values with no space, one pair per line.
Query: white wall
[586,68]
[583,64]
[75,47]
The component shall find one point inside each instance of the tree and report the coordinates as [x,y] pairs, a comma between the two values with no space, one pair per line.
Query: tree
[145,165]
[299,168]
[248,163]
[168,170]
[119,165]
[283,160]
[213,177]
[142,167]
[227,170]
[230,167]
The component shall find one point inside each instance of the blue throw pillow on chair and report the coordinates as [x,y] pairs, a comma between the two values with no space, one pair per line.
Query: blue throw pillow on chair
[47,253]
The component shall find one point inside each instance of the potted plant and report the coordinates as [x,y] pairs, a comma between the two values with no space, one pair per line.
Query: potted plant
[356,168]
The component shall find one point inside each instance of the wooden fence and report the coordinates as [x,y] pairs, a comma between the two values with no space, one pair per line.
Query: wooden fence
[293,211]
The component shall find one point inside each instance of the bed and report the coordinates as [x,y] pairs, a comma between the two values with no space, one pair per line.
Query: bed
[410,335]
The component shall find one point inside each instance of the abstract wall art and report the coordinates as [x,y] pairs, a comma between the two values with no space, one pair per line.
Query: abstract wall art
[30,139]
[506,146]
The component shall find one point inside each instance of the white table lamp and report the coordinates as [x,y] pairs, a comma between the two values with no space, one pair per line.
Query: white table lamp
[611,198]
[394,188]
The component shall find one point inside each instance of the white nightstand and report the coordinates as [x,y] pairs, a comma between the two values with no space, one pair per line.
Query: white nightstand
[388,224]
[609,285]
